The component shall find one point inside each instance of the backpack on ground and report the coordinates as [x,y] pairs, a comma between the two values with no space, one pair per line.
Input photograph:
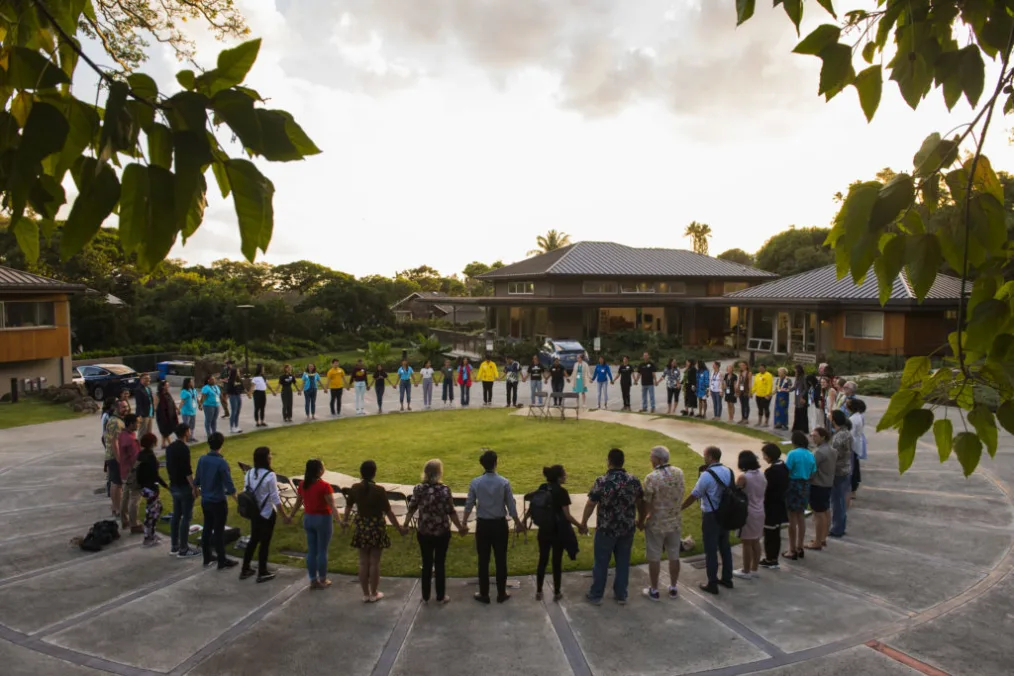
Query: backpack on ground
[540,508]
[246,502]
[733,506]
[99,535]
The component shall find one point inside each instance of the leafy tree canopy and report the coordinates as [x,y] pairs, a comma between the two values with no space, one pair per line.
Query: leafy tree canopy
[736,256]
[795,250]
[923,46]
[699,233]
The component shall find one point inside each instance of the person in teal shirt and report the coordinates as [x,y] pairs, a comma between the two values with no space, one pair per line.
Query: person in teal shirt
[311,383]
[405,373]
[603,377]
[211,396]
[801,466]
[188,406]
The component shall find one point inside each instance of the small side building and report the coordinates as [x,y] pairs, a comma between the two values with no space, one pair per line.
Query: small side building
[814,313]
[35,337]
[424,305]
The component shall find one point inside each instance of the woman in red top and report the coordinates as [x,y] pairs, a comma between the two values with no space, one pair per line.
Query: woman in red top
[316,497]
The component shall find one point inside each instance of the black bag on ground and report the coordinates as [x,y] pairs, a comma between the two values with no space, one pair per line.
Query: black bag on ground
[732,508]
[246,502]
[541,509]
[99,535]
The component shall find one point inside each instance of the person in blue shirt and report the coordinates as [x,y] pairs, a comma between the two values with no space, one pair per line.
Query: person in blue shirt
[715,479]
[213,479]
[703,389]
[188,406]
[209,401]
[801,466]
[603,378]
[405,382]
[311,384]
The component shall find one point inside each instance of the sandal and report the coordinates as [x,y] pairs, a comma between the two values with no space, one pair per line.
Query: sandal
[801,553]
[814,546]
[791,556]
[324,584]
[376,597]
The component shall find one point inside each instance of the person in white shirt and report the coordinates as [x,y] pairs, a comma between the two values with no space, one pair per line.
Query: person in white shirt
[856,410]
[260,395]
[715,388]
[427,383]
[264,484]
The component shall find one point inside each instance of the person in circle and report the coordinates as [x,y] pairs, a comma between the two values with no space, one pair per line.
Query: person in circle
[447,375]
[689,388]
[557,535]
[406,375]
[286,382]
[801,390]
[841,443]
[580,376]
[536,376]
[465,380]
[379,385]
[369,535]
[783,386]
[188,406]
[603,378]
[625,372]
[729,391]
[801,466]
[703,389]
[775,512]
[311,385]
[671,376]
[753,485]
[261,387]
[557,375]
[820,487]
[211,397]
[426,373]
[262,480]
[166,412]
[316,497]
[434,504]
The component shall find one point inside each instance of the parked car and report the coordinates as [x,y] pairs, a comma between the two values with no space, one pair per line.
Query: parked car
[566,349]
[103,380]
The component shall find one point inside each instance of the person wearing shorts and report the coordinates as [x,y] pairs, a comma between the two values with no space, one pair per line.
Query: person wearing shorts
[820,486]
[662,520]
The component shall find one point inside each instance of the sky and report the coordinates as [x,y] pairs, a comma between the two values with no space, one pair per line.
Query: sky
[459,130]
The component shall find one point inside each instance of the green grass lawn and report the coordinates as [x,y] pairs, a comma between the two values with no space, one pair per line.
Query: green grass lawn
[401,444]
[32,411]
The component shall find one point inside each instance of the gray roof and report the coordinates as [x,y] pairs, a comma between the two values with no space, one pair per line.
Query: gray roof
[608,259]
[822,284]
[21,281]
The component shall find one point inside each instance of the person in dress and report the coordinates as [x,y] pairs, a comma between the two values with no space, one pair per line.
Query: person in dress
[261,387]
[689,388]
[434,504]
[369,535]
[800,392]
[671,376]
[166,412]
[556,537]
[775,513]
[783,386]
[316,497]
[754,485]
[729,391]
[801,466]
[580,376]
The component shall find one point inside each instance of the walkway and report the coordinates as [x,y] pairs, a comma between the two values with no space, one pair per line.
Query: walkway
[924,578]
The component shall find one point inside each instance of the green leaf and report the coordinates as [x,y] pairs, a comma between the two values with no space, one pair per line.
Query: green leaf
[915,424]
[932,387]
[99,191]
[1005,415]
[794,8]
[192,156]
[47,227]
[913,75]
[988,223]
[143,116]
[186,79]
[985,180]
[892,199]
[982,420]
[26,233]
[235,63]
[142,85]
[47,196]
[901,403]
[1002,349]
[888,265]
[744,10]
[188,111]
[836,72]
[870,85]
[943,431]
[828,7]
[987,320]
[45,133]
[972,73]
[84,123]
[924,258]
[297,136]
[28,69]
[116,125]
[252,194]
[916,369]
[160,146]
[912,223]
[221,177]
[968,448]
[930,195]
[195,214]
[963,393]
[947,73]
[68,55]
[162,223]
[134,213]
[869,51]
[995,35]
[821,37]
[934,154]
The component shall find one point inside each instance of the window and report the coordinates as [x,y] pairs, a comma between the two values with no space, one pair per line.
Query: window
[864,325]
[599,287]
[672,287]
[520,288]
[731,287]
[22,315]
[637,287]
[951,314]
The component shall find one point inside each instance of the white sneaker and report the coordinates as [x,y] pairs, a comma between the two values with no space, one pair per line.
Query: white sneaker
[742,574]
[755,575]
[238,431]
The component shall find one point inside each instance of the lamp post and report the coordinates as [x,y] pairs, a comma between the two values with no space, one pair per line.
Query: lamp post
[246,335]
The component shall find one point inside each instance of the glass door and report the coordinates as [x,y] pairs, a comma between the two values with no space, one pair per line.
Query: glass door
[782,331]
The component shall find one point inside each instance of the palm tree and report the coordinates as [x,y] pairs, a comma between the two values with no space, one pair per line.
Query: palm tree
[551,241]
[699,233]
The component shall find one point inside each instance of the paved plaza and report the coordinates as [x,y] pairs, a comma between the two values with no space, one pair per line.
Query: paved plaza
[922,583]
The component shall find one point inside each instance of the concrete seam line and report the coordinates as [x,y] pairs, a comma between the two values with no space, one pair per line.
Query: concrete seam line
[57,505]
[36,535]
[698,601]
[879,546]
[568,640]
[277,601]
[66,564]
[38,458]
[396,641]
[891,516]
[70,656]
[808,575]
[906,659]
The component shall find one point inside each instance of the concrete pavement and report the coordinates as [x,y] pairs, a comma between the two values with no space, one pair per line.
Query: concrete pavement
[921,584]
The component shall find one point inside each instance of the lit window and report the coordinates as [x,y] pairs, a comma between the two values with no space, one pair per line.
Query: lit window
[599,287]
[952,315]
[672,287]
[864,325]
[520,288]
[637,287]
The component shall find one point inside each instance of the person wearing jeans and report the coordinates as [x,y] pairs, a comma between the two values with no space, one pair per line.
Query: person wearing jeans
[619,498]
[359,375]
[316,497]
[603,377]
[447,389]
[181,488]
[214,480]
[311,383]
[211,395]
[535,375]
[713,482]
[841,442]
[464,371]
[646,376]
[406,375]
[234,387]
[716,390]
[433,503]
[511,375]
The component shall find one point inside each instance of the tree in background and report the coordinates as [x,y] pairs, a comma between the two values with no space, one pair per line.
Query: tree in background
[301,277]
[736,256]
[699,233]
[795,250]
[551,241]
[937,44]
[475,286]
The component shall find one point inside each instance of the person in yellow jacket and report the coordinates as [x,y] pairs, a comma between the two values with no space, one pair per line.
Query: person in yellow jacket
[487,375]
[336,383]
[763,389]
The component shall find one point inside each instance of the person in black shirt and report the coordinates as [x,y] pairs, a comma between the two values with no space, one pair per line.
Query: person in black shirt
[775,511]
[286,383]
[646,376]
[536,374]
[626,373]
[689,388]
[557,537]
[235,389]
[149,479]
[379,384]
[181,487]
[557,374]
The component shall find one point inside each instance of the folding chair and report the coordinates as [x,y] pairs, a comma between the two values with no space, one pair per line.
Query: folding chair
[399,502]
[243,467]
[459,502]
[286,490]
[537,408]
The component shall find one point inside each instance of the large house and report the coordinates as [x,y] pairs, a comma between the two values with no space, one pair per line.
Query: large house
[815,313]
[34,328]
[589,289]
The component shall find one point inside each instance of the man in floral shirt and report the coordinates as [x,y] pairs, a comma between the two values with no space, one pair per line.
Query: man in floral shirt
[662,520]
[618,496]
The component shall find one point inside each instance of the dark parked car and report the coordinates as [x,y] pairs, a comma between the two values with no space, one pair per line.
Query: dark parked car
[566,349]
[104,380]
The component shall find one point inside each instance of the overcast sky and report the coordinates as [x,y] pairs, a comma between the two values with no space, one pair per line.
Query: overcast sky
[459,130]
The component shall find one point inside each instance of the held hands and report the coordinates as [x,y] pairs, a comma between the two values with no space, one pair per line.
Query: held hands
[583,529]
[403,530]
[463,530]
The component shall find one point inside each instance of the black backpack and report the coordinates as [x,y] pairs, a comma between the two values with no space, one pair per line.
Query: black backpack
[246,502]
[732,507]
[99,535]
[541,509]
